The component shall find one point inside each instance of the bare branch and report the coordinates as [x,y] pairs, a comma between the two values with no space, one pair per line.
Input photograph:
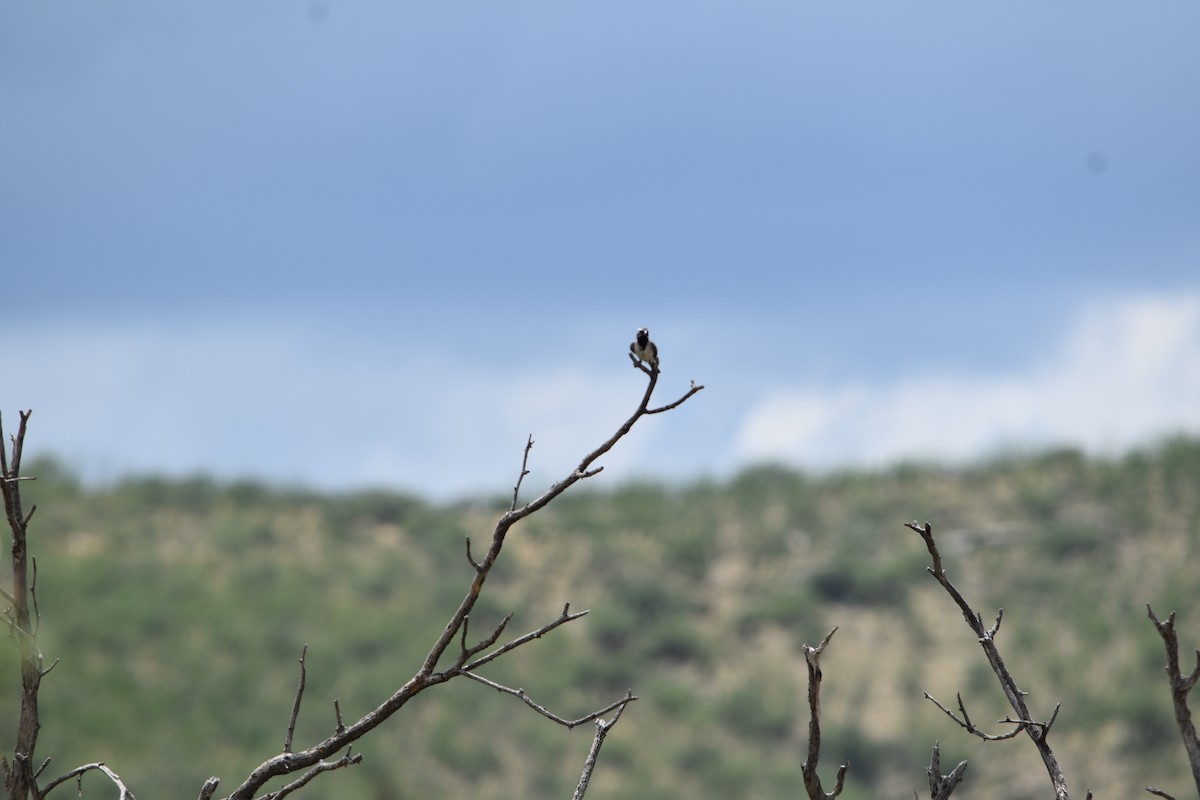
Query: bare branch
[1036,731]
[992,631]
[209,788]
[291,729]
[678,402]
[524,472]
[426,676]
[966,724]
[467,652]
[812,781]
[20,779]
[1181,686]
[562,619]
[602,729]
[942,786]
[314,771]
[471,558]
[1160,793]
[545,712]
[78,773]
[37,613]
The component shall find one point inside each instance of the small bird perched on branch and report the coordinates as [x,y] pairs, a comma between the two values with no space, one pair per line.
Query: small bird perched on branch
[644,349]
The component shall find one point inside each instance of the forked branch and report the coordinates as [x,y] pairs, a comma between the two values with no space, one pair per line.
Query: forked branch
[1181,687]
[602,730]
[942,786]
[812,781]
[78,772]
[20,775]
[1037,731]
[311,761]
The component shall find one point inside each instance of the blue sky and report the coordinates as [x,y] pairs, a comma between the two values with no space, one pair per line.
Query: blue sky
[382,242]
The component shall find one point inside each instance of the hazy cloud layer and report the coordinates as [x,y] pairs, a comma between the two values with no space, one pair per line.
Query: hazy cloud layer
[287,402]
[1127,372]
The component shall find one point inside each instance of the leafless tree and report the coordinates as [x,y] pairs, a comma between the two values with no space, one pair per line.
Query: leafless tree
[20,775]
[1038,732]
[444,661]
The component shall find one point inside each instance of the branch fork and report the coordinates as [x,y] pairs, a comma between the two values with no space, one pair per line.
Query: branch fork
[469,657]
[808,769]
[1037,731]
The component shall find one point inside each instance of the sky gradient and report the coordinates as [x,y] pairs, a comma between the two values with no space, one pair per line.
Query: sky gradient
[381,243]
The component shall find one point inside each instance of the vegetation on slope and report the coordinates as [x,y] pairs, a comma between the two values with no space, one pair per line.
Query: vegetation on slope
[178,609]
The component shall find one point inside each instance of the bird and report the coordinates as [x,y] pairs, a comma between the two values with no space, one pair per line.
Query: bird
[643,349]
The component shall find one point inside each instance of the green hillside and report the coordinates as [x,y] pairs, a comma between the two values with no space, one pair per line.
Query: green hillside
[178,609]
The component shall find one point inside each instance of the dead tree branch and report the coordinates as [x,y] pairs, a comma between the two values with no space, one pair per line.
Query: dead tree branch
[427,675]
[545,712]
[812,781]
[20,777]
[312,772]
[563,618]
[965,721]
[1181,686]
[209,788]
[602,729]
[291,729]
[1037,731]
[78,773]
[524,472]
[942,786]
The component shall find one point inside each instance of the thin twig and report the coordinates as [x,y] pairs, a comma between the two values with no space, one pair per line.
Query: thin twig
[969,727]
[291,729]
[545,712]
[1036,731]
[524,472]
[78,772]
[562,619]
[602,729]
[484,644]
[477,566]
[678,402]
[337,714]
[33,598]
[314,771]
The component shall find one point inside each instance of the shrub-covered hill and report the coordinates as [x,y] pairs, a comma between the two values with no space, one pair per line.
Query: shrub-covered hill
[178,609]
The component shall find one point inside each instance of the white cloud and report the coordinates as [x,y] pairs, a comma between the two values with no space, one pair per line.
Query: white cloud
[277,400]
[1126,372]
[338,406]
